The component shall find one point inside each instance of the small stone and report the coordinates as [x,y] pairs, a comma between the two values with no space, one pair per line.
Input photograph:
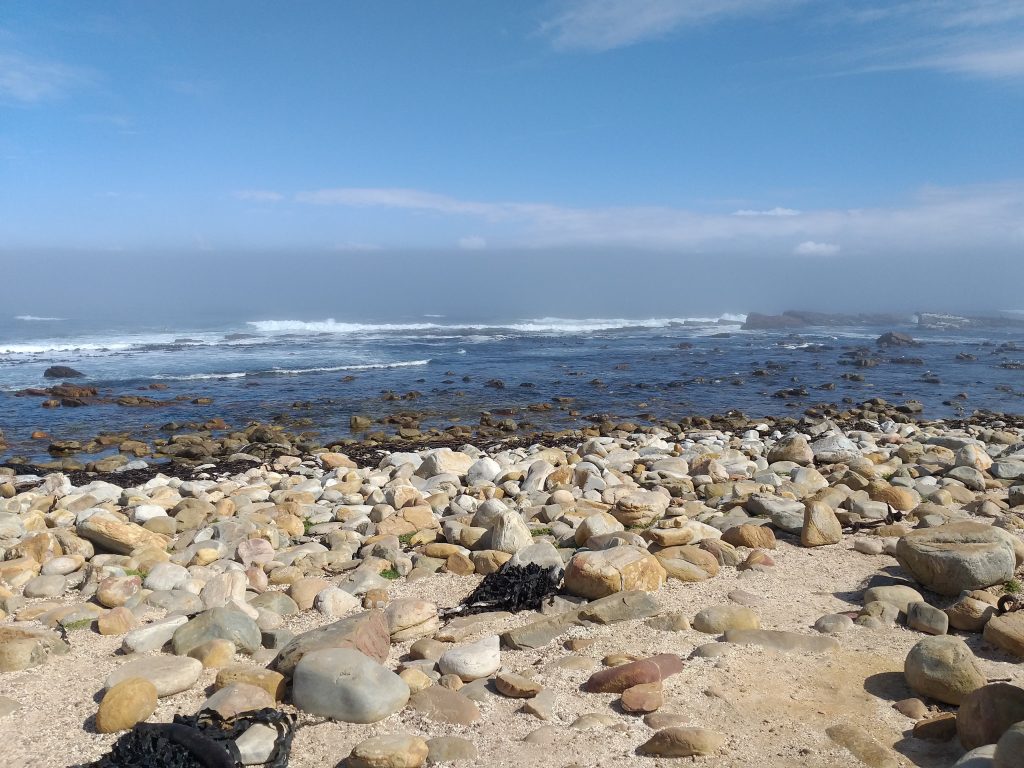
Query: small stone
[270,681]
[416,679]
[821,526]
[123,705]
[752,536]
[834,624]
[717,619]
[644,698]
[256,745]
[942,727]
[473,661]
[516,686]
[913,708]
[661,720]
[441,705]
[541,706]
[233,699]
[927,618]
[669,622]
[650,670]
[681,741]
[449,749]
[214,653]
[116,621]
[389,751]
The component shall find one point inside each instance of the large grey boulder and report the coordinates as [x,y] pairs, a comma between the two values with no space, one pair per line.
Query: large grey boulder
[949,559]
[343,684]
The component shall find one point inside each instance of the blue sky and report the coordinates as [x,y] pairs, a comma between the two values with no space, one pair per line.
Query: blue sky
[815,129]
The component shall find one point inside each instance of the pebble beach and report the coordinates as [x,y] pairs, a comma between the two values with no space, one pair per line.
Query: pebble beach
[821,590]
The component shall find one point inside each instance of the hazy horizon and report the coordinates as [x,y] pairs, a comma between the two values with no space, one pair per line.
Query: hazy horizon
[211,288]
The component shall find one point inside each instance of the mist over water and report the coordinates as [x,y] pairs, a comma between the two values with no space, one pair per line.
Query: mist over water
[151,289]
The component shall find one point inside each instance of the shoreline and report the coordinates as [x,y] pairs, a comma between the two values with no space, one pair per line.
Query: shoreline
[752,574]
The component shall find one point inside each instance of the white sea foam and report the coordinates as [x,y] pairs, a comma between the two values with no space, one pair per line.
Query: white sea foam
[36,318]
[354,367]
[288,371]
[558,325]
[46,346]
[198,376]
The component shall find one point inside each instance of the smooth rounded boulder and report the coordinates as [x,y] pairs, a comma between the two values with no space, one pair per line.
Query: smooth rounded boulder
[345,685]
[951,558]
[601,573]
[943,668]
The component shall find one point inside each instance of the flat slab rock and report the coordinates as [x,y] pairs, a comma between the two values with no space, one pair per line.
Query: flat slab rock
[777,640]
[622,606]
[862,745]
[170,674]
[625,676]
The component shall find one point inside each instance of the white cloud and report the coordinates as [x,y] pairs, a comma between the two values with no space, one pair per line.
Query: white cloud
[472,243]
[974,38]
[811,248]
[258,195]
[969,219]
[600,25]
[770,212]
[31,81]
[977,38]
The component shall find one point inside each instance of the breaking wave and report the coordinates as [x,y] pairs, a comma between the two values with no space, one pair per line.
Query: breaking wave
[289,371]
[548,325]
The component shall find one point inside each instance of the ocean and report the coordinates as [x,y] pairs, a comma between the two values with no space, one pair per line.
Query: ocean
[317,373]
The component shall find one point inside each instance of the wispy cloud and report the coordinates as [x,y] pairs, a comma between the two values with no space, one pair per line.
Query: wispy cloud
[770,212]
[600,25]
[258,195]
[811,248]
[472,243]
[968,219]
[31,81]
[974,38]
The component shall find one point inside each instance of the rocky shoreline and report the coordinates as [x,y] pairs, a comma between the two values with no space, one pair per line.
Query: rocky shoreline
[833,589]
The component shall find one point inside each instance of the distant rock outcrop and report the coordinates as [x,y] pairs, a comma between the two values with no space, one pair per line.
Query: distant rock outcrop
[61,372]
[896,339]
